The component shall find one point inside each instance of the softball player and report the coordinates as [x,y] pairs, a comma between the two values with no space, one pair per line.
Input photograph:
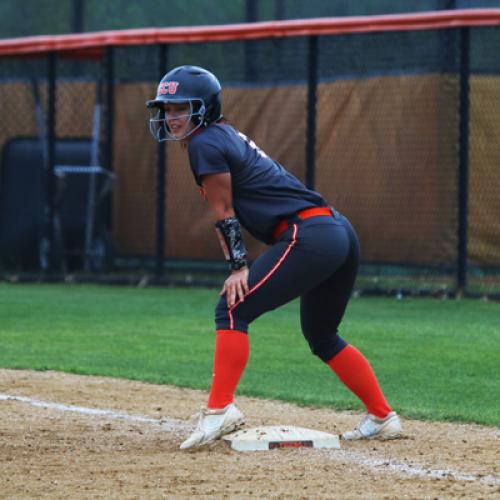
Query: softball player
[313,253]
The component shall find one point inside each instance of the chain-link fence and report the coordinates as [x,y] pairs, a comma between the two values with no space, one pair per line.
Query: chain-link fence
[398,130]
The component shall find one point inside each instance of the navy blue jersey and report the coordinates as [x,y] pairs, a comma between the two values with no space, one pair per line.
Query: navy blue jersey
[264,193]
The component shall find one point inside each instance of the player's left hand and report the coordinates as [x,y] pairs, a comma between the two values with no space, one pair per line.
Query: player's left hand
[236,286]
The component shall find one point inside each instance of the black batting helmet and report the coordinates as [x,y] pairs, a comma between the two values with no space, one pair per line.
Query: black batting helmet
[186,84]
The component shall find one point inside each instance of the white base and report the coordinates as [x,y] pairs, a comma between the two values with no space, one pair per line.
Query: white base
[280,436]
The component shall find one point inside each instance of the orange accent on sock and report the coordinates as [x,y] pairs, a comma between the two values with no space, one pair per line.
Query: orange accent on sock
[232,349]
[354,370]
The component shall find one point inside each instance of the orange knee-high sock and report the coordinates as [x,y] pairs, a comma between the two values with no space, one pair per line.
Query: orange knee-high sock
[231,355]
[354,370]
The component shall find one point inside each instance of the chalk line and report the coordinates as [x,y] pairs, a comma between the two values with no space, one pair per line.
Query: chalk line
[167,424]
[175,425]
[414,470]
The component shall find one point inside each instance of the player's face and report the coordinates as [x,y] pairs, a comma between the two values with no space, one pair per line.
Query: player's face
[178,118]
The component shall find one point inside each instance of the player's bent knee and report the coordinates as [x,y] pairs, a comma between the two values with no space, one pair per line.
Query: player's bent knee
[229,319]
[327,348]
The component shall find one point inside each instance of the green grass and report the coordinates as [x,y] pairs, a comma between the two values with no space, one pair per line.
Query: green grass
[435,359]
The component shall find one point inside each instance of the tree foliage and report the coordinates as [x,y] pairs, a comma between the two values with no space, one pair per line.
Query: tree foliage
[43,17]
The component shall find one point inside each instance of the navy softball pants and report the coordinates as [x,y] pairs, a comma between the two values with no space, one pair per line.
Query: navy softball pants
[315,259]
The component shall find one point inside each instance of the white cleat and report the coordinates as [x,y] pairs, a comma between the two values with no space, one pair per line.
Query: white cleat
[213,424]
[372,427]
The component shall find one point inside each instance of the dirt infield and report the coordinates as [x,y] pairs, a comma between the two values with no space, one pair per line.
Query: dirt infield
[68,436]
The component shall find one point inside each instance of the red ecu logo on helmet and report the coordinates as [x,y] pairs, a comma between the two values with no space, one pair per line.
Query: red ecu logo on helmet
[167,88]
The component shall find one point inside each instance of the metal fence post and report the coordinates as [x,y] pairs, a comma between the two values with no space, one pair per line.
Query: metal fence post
[77,16]
[109,100]
[160,180]
[312,84]
[251,16]
[50,162]
[463,160]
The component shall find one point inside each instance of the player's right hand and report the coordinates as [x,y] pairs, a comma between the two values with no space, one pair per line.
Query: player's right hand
[236,286]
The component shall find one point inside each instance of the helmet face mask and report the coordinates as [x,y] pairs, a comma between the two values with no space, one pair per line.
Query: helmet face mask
[188,85]
[166,125]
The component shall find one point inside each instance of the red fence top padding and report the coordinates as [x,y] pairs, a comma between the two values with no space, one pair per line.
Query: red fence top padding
[91,44]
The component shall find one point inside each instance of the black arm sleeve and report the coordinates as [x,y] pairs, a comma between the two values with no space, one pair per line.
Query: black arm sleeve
[231,240]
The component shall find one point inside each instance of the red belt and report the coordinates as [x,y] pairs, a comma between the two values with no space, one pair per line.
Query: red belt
[303,214]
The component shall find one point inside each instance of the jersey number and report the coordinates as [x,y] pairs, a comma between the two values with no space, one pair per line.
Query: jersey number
[253,145]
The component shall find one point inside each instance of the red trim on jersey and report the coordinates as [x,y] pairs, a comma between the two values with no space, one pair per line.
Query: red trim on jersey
[266,277]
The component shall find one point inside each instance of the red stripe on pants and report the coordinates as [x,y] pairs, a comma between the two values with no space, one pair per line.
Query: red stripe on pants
[266,277]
